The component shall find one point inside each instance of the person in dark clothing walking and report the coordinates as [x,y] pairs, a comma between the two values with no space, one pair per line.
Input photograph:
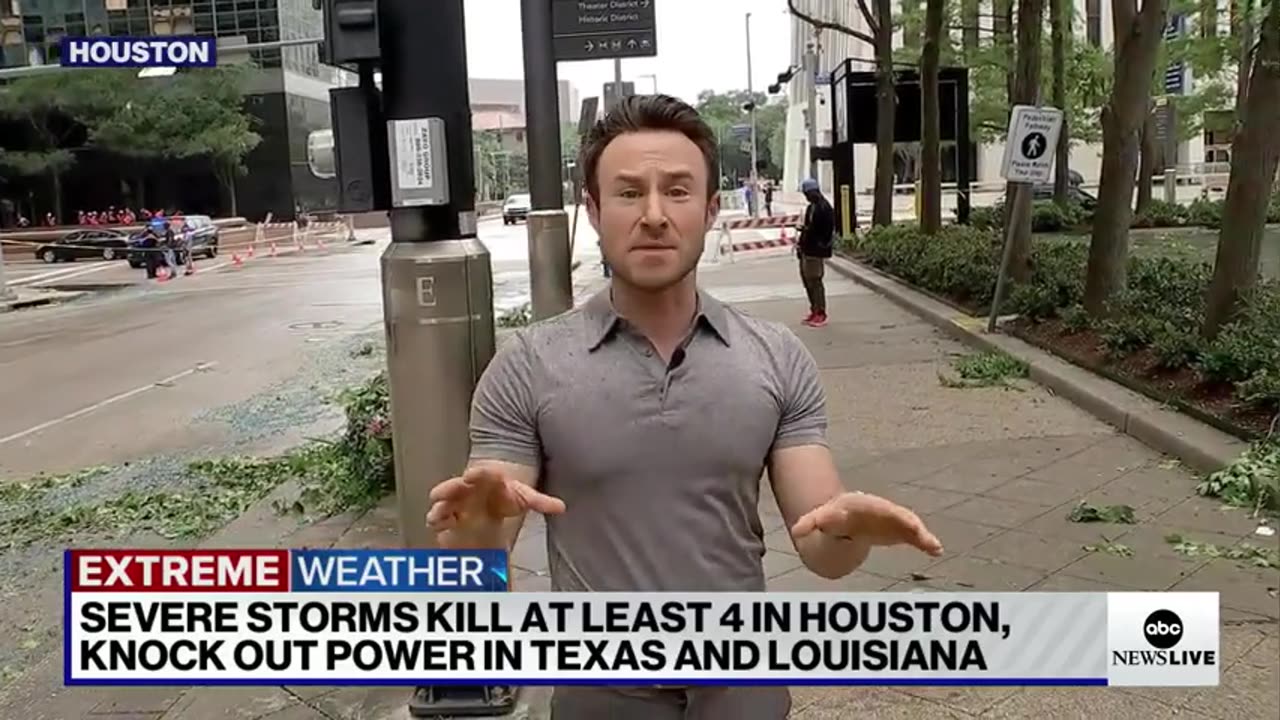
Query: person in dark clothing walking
[768,198]
[817,240]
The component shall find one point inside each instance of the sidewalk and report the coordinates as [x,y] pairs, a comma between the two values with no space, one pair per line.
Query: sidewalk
[994,473]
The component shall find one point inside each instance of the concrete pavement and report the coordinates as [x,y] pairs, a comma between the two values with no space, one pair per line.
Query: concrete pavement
[993,471]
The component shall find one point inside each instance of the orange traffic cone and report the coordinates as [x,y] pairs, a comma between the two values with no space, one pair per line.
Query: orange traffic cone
[250,249]
[235,259]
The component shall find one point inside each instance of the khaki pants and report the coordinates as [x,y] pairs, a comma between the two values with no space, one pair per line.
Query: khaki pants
[811,272]
[696,703]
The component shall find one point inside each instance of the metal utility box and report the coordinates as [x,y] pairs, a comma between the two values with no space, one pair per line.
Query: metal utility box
[438,305]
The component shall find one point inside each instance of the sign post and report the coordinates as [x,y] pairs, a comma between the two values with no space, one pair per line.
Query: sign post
[1028,158]
[604,29]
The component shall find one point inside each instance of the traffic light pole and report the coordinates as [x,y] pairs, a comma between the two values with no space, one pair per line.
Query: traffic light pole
[410,150]
[754,201]
[811,85]
[550,273]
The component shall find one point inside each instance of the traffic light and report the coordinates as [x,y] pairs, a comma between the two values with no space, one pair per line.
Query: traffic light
[748,107]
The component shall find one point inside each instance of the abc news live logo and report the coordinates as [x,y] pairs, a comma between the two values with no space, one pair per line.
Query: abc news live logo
[1163,630]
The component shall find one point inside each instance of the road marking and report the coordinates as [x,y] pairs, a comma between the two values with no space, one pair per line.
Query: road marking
[64,274]
[202,367]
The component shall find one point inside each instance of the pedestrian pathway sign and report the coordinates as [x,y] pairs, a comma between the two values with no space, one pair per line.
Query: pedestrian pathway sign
[1030,142]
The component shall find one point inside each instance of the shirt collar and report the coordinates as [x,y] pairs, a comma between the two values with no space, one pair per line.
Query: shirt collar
[602,319]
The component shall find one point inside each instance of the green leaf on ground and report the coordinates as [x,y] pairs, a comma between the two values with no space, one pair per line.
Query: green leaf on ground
[516,317]
[350,473]
[1245,553]
[1114,514]
[986,369]
[39,486]
[1110,548]
[1252,481]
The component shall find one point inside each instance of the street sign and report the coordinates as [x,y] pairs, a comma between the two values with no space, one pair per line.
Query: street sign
[604,29]
[1029,144]
[740,132]
[587,118]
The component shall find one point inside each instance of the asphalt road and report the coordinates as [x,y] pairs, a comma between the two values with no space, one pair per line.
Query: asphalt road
[132,371]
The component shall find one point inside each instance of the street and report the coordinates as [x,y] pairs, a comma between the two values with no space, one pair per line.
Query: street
[125,372]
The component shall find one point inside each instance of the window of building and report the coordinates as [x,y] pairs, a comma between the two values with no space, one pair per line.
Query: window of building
[1093,22]
[997,8]
[117,4]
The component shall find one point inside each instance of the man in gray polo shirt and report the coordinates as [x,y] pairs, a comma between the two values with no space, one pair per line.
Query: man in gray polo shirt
[641,423]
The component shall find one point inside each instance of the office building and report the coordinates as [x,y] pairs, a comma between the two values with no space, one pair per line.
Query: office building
[287,92]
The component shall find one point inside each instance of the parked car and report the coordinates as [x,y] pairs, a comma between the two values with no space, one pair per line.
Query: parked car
[516,208]
[104,244]
[202,243]
[1075,194]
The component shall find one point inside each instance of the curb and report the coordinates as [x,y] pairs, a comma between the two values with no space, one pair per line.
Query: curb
[1198,445]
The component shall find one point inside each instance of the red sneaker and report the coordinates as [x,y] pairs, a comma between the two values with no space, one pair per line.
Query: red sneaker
[809,318]
[819,320]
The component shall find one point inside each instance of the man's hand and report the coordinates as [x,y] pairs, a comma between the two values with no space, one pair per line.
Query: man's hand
[470,511]
[868,519]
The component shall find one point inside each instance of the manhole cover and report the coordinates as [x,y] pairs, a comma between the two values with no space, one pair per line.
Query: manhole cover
[322,325]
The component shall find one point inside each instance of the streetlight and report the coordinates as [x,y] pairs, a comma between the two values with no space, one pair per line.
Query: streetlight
[754,182]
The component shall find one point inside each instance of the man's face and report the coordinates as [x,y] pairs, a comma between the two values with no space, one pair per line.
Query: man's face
[651,208]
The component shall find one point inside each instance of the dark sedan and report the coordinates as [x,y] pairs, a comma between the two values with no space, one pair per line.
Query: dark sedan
[102,244]
[202,239]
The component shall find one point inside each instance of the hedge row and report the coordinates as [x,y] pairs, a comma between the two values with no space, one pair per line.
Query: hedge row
[1162,308]
[1047,216]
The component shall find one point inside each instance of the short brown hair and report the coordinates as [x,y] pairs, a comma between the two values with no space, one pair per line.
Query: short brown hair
[648,112]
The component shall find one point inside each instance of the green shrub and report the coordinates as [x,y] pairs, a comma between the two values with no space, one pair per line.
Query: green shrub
[1049,216]
[1161,214]
[1175,347]
[959,262]
[1273,208]
[1075,318]
[1249,344]
[987,218]
[1262,390]
[1205,213]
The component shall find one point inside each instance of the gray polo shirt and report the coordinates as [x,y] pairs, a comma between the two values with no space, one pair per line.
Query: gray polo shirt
[659,464]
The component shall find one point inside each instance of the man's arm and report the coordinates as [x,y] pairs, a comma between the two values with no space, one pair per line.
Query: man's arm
[802,472]
[504,429]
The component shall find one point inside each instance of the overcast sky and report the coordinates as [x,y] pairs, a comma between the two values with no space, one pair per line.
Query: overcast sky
[702,45]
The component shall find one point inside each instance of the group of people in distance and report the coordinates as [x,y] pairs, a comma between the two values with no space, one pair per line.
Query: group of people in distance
[165,249]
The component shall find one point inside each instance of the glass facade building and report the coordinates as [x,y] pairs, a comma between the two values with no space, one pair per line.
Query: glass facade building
[287,92]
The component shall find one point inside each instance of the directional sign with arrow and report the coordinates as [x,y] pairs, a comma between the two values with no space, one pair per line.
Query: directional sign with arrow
[604,29]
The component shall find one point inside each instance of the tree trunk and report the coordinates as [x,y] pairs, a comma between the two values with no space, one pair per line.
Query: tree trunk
[1255,155]
[930,123]
[1003,10]
[56,175]
[1243,31]
[1026,92]
[1138,35]
[1060,20]
[1147,161]
[886,98]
